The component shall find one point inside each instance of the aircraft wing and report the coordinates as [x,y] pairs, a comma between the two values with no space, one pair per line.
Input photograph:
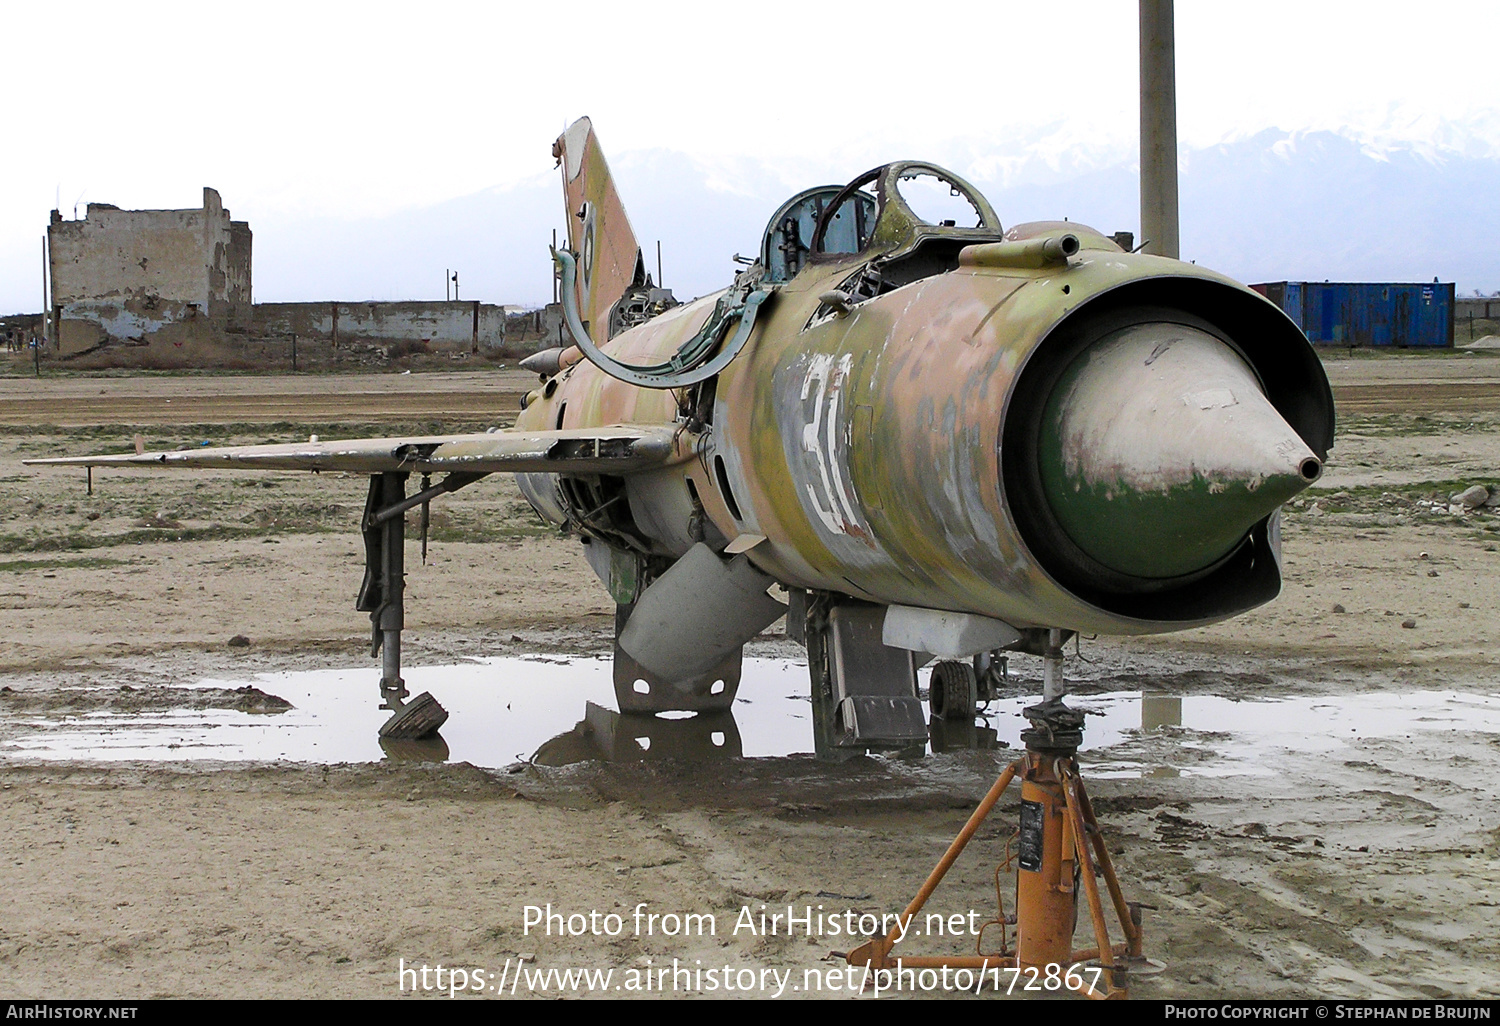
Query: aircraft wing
[603,450]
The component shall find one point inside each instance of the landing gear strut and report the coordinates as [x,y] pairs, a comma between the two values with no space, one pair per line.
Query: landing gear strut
[381,595]
[864,694]
[1058,848]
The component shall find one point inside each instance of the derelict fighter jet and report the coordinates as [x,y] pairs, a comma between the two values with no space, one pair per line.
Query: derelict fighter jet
[915,438]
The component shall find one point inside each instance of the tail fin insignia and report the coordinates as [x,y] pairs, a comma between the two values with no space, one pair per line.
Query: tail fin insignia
[609,258]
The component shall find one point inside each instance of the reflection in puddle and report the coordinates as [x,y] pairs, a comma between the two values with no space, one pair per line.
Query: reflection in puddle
[1159,711]
[958,736]
[606,735]
[415,749]
[561,710]
[1130,734]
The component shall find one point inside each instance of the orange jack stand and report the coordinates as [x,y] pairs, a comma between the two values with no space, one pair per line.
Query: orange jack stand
[1055,813]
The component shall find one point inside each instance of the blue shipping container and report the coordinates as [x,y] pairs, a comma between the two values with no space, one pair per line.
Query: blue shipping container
[1367,313]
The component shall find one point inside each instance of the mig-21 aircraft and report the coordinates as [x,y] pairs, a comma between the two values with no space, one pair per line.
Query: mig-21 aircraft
[915,436]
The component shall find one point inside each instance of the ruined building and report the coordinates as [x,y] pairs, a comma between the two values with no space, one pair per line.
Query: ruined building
[160,279]
[135,276]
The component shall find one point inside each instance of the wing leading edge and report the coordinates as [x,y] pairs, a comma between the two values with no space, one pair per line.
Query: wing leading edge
[606,450]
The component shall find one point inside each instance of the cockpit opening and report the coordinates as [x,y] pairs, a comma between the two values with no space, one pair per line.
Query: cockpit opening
[893,225]
[937,201]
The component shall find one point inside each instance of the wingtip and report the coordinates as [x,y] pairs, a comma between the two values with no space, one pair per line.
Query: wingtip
[121,459]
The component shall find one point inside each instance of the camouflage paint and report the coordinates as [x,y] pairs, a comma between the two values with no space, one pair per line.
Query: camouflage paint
[864,447]
[598,230]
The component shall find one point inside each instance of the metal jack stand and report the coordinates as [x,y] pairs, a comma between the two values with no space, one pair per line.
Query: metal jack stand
[1051,862]
[382,596]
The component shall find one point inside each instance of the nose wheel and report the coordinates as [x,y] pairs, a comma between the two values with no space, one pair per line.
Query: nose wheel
[953,691]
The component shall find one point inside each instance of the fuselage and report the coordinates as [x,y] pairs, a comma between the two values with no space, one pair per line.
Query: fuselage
[867,445]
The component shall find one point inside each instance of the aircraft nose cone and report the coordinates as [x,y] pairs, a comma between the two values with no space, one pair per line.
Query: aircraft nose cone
[1159,451]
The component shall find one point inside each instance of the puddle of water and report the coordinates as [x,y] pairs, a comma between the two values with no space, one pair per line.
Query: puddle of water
[1243,737]
[561,710]
[500,710]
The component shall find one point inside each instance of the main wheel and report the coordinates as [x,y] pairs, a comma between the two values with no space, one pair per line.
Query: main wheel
[419,718]
[953,691]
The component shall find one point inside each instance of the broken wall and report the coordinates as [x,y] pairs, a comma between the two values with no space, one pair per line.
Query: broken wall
[128,274]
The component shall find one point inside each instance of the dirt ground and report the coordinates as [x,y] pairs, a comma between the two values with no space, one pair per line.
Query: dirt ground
[1374,872]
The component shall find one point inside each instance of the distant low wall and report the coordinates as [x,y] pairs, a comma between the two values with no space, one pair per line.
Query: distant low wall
[390,329]
[1479,309]
[29,323]
[452,324]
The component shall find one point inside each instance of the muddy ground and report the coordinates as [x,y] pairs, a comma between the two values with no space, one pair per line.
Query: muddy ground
[1371,871]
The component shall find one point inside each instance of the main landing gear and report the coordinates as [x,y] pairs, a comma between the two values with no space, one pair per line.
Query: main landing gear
[381,595]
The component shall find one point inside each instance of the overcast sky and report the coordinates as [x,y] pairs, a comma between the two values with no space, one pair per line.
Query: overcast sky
[358,110]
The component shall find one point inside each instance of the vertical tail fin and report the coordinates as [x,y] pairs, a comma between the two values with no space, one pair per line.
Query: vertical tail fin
[609,258]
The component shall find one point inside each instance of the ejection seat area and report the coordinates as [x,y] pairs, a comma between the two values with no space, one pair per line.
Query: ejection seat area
[789,233]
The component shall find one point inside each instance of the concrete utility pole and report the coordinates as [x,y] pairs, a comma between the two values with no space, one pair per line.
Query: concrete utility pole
[1158,129]
[47,331]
